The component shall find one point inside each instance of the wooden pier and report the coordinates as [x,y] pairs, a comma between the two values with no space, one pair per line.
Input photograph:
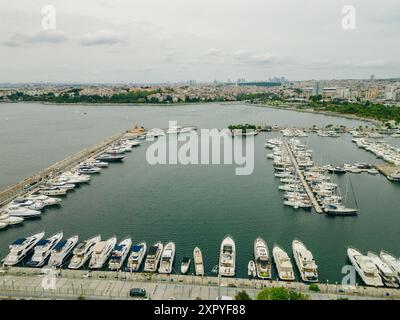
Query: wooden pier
[34,181]
[306,187]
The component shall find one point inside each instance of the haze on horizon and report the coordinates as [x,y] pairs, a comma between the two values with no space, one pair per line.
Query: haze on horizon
[159,41]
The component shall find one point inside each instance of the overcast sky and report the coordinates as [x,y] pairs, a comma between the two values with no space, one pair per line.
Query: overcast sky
[172,40]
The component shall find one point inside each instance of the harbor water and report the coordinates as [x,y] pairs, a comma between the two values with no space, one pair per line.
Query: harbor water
[193,205]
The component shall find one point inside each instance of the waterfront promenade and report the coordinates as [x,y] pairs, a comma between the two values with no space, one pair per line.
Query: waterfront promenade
[71,284]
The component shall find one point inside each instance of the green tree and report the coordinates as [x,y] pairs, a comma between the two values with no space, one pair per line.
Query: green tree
[314,287]
[280,293]
[242,295]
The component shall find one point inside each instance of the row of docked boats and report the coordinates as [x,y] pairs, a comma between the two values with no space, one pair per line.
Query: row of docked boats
[376,270]
[48,193]
[294,176]
[55,251]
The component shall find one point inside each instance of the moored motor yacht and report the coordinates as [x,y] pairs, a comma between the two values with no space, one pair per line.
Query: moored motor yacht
[101,253]
[251,269]
[283,264]
[9,220]
[23,212]
[262,259]
[119,254]
[83,252]
[43,249]
[305,262]
[167,258]
[365,267]
[153,257]
[185,265]
[110,158]
[136,257]
[47,201]
[20,248]
[25,203]
[52,191]
[392,261]
[61,251]
[198,262]
[227,257]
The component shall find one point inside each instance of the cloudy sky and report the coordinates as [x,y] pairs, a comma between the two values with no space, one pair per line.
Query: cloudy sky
[173,40]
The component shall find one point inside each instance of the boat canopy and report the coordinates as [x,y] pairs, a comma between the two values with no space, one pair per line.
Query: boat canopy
[119,247]
[19,241]
[43,242]
[60,245]
[153,250]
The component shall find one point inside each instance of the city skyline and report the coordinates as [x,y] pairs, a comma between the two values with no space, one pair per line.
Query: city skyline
[158,42]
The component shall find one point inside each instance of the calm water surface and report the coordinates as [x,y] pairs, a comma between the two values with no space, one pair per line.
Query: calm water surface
[193,205]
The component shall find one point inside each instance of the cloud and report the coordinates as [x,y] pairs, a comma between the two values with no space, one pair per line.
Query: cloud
[214,52]
[102,37]
[41,37]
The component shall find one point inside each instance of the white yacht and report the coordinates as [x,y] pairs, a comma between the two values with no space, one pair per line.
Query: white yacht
[25,203]
[283,264]
[47,201]
[153,257]
[61,251]
[174,130]
[23,213]
[262,259]
[251,269]
[389,277]
[198,262]
[119,254]
[95,163]
[20,248]
[61,185]
[74,178]
[185,265]
[305,262]
[227,257]
[391,261]
[52,191]
[101,253]
[136,257]
[43,249]
[3,225]
[167,258]
[9,220]
[365,267]
[83,252]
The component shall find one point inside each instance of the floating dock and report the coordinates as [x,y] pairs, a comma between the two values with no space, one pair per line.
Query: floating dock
[306,187]
[387,169]
[33,182]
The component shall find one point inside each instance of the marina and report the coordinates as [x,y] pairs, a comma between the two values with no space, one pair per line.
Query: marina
[36,251]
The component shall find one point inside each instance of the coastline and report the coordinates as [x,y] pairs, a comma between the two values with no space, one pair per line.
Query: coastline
[326,113]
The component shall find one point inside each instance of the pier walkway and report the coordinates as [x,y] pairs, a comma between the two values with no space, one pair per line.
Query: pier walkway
[34,181]
[306,187]
[72,284]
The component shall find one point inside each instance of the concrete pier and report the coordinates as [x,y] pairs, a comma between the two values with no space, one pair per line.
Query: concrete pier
[387,169]
[73,284]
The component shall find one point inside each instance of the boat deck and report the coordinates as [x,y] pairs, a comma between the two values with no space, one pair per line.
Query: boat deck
[300,175]
[72,284]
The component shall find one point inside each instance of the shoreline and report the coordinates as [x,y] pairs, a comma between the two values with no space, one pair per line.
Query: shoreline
[326,113]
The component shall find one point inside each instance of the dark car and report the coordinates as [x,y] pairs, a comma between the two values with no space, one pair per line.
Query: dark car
[137,292]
